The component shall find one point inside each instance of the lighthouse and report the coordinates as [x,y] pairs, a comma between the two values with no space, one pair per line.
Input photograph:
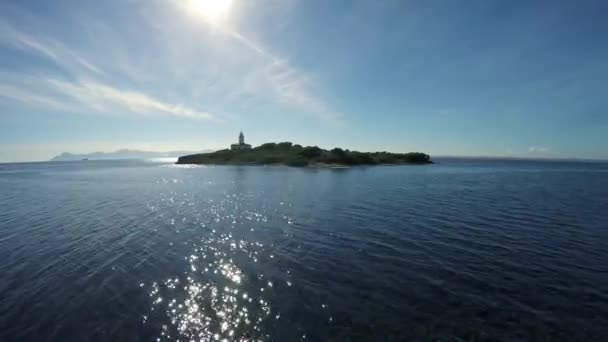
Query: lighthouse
[241,145]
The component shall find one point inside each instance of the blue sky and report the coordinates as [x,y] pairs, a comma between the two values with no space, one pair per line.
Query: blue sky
[469,78]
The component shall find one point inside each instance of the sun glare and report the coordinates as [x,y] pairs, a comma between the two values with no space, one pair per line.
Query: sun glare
[210,10]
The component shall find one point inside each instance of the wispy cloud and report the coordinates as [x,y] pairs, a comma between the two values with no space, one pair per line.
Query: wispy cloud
[52,49]
[105,98]
[85,95]
[264,74]
[287,84]
[538,149]
[28,98]
[183,70]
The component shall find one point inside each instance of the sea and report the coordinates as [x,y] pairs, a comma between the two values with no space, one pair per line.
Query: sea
[460,250]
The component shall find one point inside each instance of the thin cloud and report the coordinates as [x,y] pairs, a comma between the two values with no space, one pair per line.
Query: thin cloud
[85,95]
[28,98]
[85,63]
[288,85]
[258,75]
[104,98]
[270,76]
[52,49]
[538,149]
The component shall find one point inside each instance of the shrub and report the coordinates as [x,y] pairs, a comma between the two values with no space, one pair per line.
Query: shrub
[284,145]
[311,151]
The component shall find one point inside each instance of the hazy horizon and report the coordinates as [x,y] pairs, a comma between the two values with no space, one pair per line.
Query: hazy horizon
[490,79]
[434,157]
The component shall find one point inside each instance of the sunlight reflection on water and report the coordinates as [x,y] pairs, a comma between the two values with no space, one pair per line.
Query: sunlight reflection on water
[466,250]
[215,299]
[211,303]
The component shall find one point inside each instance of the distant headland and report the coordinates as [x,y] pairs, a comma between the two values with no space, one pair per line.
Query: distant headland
[120,154]
[286,153]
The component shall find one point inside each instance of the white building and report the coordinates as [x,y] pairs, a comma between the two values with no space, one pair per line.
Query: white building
[241,145]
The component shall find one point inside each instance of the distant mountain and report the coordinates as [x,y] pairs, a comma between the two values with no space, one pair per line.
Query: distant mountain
[121,154]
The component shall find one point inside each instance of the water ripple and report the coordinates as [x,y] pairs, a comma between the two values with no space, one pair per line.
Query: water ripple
[470,251]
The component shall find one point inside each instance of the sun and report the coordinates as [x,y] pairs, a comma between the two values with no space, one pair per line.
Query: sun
[210,10]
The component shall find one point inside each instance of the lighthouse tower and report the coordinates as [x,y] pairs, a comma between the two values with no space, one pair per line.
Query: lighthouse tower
[241,145]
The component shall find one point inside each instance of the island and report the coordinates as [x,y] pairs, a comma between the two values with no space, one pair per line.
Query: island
[287,153]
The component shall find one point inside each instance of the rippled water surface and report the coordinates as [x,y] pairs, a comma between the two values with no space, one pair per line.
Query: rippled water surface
[460,250]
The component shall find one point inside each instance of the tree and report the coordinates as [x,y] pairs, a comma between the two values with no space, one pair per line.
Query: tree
[267,146]
[311,151]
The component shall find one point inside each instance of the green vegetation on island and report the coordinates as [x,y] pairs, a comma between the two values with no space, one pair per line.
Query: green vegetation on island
[286,153]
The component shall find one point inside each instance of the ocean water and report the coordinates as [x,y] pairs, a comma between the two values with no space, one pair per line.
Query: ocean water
[460,250]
